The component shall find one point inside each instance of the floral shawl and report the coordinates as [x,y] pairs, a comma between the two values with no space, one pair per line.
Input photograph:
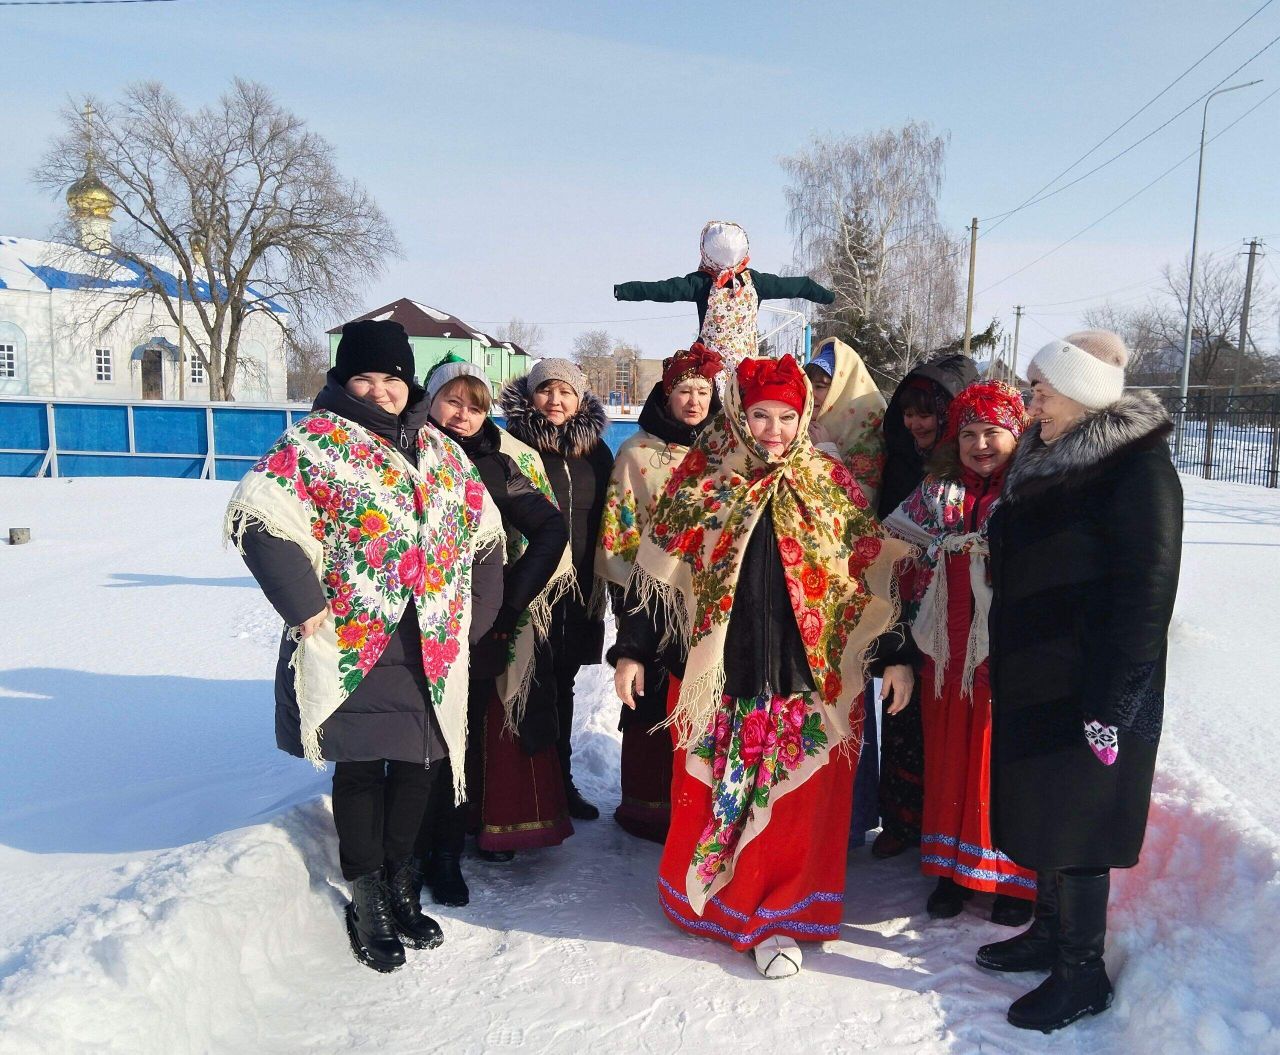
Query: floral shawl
[534,623]
[378,531]
[641,469]
[932,518]
[852,413]
[839,570]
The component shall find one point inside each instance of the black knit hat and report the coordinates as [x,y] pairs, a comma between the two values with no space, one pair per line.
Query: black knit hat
[372,346]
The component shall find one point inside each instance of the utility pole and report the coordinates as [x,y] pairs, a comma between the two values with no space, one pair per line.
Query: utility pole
[968,307]
[1017,328]
[1244,314]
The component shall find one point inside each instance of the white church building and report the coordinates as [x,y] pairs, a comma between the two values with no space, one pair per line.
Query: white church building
[66,333]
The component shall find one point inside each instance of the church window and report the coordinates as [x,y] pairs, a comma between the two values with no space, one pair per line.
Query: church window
[103,367]
[197,371]
[8,360]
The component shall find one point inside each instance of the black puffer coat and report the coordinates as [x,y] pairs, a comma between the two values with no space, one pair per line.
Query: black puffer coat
[904,464]
[387,715]
[1085,549]
[578,463]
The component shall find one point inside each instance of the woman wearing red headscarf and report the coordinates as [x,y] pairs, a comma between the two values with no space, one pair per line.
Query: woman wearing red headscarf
[946,517]
[765,585]
[673,417]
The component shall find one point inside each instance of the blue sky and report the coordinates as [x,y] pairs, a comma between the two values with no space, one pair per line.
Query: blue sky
[532,155]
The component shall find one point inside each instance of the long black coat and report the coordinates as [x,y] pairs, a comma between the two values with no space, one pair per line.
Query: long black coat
[578,464]
[387,715]
[1085,548]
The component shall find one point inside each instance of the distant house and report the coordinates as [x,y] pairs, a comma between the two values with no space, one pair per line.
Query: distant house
[434,334]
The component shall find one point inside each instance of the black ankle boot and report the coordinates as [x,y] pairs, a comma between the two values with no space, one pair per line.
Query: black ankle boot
[947,899]
[403,883]
[444,877]
[496,856]
[370,926]
[1035,949]
[1078,984]
[1010,911]
[579,808]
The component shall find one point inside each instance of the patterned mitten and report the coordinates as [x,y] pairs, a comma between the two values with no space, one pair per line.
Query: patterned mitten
[1103,741]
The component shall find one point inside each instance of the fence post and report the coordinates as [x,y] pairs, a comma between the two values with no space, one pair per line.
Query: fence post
[1273,471]
[52,460]
[1208,438]
[210,469]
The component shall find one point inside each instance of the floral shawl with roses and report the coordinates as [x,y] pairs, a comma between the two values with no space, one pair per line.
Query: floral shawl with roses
[378,531]
[838,564]
[932,518]
[853,413]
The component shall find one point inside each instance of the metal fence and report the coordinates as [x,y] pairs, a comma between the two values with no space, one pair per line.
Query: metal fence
[198,441]
[1222,435]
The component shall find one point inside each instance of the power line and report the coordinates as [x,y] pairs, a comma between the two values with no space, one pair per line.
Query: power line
[66,3]
[1135,194]
[581,322]
[1001,217]
[1138,143]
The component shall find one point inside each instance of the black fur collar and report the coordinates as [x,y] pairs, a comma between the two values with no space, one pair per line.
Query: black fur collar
[1136,420]
[573,439]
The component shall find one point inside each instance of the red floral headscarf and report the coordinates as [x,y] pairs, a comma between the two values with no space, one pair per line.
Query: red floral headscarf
[696,361]
[993,402]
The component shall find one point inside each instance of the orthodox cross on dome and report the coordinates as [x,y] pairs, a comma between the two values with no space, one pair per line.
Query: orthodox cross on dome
[89,199]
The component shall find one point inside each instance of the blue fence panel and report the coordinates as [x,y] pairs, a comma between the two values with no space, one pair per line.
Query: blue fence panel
[24,426]
[169,430]
[86,427]
[231,468]
[20,464]
[132,465]
[246,432]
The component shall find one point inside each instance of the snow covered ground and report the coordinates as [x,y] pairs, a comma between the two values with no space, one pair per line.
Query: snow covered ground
[168,879]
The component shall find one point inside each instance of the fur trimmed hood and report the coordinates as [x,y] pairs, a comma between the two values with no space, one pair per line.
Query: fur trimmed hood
[1136,420]
[573,439]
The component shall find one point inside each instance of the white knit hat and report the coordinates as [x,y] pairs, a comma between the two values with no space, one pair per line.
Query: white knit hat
[451,371]
[1087,367]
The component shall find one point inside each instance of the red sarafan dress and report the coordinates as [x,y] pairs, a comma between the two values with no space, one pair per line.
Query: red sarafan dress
[956,831]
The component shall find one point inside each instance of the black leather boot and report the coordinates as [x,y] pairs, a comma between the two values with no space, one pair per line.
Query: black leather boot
[1035,949]
[444,877]
[370,927]
[403,883]
[1078,984]
[947,899]
[579,808]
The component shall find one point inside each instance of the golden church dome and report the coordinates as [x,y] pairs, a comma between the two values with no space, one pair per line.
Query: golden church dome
[89,196]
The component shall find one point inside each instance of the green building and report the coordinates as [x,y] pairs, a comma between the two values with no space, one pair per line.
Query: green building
[435,334]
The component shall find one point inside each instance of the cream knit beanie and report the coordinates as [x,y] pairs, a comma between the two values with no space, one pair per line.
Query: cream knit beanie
[1087,367]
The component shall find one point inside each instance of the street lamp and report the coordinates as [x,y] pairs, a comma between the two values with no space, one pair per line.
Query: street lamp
[1195,238]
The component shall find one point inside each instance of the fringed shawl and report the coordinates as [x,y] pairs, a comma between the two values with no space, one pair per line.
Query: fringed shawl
[534,624]
[838,561]
[378,531]
[932,518]
[853,413]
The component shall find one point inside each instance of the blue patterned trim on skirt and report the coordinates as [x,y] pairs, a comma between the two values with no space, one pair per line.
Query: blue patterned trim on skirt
[770,916]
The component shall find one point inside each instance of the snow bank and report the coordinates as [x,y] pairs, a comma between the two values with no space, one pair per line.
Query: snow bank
[161,898]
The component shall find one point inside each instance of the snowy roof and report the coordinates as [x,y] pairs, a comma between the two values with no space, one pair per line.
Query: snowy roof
[422,320]
[35,266]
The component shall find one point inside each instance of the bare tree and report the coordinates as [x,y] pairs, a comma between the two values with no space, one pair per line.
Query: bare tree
[526,335]
[307,360]
[1154,331]
[237,200]
[863,212]
[593,352]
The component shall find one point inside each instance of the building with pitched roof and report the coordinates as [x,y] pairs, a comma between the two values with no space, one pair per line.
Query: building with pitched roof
[435,334]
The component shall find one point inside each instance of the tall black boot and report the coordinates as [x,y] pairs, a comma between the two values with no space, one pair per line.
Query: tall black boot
[1035,949]
[403,885]
[370,927]
[1078,984]
[444,876]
